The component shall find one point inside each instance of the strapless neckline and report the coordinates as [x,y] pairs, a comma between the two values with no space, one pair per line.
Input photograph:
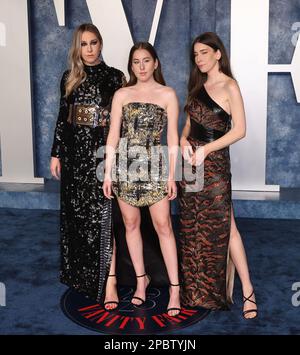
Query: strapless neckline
[144,103]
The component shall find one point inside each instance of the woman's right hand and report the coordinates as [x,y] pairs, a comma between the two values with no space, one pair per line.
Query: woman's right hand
[55,167]
[107,188]
[186,149]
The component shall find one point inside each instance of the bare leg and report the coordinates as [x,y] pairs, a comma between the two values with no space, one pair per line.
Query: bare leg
[160,214]
[111,284]
[132,220]
[238,255]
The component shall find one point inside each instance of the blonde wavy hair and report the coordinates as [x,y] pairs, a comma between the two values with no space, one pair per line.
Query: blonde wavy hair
[77,74]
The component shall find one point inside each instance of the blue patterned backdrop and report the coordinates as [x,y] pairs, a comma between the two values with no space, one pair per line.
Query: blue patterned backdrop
[283,154]
[180,22]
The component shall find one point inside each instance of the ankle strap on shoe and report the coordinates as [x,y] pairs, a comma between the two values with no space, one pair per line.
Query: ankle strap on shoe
[111,275]
[174,284]
[245,299]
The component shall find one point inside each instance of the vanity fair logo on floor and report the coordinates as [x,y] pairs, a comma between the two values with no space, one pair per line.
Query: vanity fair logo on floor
[150,318]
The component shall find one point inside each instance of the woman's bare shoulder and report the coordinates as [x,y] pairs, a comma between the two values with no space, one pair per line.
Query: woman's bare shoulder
[123,93]
[168,92]
[231,86]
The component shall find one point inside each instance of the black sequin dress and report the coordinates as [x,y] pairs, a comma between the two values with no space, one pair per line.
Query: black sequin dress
[86,216]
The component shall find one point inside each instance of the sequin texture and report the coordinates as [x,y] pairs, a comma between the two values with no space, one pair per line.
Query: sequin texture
[142,126]
[86,219]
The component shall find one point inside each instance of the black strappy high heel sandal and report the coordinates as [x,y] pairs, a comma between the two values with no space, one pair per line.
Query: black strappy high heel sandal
[139,298]
[110,302]
[245,299]
[174,308]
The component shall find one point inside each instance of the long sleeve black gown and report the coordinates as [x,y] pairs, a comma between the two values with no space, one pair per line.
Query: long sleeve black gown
[86,216]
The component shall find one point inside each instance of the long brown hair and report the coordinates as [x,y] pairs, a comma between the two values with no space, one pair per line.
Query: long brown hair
[197,79]
[77,74]
[158,76]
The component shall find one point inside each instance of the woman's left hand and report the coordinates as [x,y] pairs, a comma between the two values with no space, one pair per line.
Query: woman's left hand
[198,156]
[172,190]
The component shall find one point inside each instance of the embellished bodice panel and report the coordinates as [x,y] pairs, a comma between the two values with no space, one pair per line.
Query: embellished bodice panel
[143,123]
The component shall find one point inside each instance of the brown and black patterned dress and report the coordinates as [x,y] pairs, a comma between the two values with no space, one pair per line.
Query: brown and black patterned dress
[205,214]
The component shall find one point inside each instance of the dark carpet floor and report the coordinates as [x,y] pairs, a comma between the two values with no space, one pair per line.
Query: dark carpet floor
[29,262]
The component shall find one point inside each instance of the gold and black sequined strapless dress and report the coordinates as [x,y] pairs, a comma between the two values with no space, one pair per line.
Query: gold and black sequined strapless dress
[140,178]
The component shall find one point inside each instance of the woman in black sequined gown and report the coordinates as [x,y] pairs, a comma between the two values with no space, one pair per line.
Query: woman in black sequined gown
[82,126]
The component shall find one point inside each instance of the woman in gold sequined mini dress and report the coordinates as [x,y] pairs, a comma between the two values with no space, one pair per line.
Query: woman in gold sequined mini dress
[144,183]
[140,111]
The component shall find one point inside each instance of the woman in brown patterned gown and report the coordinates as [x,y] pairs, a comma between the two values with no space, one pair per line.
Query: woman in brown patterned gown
[210,242]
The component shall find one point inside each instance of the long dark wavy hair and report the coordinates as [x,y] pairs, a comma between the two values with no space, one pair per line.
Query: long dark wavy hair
[197,79]
[158,76]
